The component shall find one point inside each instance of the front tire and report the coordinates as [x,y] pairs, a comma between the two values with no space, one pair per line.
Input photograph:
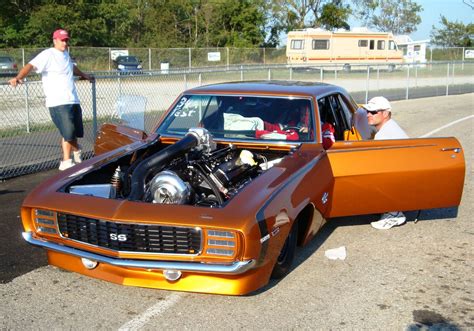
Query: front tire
[287,254]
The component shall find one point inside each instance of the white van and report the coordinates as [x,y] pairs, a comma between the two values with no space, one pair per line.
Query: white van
[358,46]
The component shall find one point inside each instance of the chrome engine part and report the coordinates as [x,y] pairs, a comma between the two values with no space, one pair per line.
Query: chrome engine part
[193,171]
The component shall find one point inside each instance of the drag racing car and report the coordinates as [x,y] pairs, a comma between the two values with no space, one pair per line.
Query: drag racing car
[233,178]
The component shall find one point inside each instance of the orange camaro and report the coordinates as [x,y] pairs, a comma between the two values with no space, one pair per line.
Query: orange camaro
[232,179]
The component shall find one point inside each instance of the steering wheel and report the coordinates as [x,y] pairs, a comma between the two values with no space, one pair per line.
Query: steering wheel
[296,128]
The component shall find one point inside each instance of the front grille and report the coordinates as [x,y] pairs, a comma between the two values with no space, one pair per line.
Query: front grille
[130,237]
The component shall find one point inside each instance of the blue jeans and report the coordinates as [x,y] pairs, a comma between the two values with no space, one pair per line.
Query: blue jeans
[68,120]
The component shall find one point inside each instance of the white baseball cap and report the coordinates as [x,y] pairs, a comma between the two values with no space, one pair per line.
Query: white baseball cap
[378,103]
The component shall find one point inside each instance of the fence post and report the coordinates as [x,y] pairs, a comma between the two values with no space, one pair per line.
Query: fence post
[378,77]
[149,58]
[241,73]
[269,74]
[190,63]
[321,74]
[416,76]
[291,73]
[264,56]
[462,64]
[452,72]
[408,82]
[367,85]
[447,81]
[227,51]
[94,109]
[110,57]
[200,79]
[22,57]
[27,106]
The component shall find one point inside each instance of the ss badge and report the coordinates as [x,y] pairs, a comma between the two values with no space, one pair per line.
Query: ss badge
[118,237]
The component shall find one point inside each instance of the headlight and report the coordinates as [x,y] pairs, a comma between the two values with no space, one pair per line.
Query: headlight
[46,221]
[139,66]
[221,243]
[121,66]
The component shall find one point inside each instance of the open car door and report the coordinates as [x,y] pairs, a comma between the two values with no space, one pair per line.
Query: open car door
[387,175]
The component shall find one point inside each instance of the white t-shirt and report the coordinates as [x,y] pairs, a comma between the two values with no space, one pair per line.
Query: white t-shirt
[390,130]
[56,69]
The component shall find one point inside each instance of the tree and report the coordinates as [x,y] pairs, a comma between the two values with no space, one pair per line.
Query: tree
[453,34]
[396,16]
[334,15]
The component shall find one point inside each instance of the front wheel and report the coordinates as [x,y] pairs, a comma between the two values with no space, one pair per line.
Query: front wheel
[287,254]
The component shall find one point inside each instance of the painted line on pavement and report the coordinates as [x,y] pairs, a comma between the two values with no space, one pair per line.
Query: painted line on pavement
[446,126]
[155,310]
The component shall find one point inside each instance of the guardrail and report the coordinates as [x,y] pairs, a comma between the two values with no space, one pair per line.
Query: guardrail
[29,142]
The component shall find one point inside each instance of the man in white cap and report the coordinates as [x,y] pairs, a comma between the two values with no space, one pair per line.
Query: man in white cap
[379,114]
[57,73]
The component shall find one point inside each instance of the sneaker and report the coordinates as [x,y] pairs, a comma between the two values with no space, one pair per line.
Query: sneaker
[77,156]
[66,164]
[389,220]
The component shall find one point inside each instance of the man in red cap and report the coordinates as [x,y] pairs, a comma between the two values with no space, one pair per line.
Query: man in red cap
[57,73]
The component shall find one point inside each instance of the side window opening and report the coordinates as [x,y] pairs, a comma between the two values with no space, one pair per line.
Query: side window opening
[381,44]
[297,44]
[372,44]
[320,44]
[391,45]
[363,43]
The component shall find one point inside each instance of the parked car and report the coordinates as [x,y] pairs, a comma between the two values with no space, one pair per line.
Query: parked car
[210,201]
[128,64]
[8,66]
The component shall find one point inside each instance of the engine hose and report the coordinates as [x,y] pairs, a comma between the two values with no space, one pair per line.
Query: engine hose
[156,162]
[210,183]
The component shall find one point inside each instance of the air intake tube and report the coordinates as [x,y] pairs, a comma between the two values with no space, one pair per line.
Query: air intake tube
[195,138]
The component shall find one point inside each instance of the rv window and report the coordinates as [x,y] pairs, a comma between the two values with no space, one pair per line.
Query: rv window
[381,44]
[372,44]
[417,48]
[320,44]
[391,45]
[297,44]
[363,43]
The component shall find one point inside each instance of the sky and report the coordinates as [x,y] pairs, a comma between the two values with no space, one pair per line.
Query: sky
[432,9]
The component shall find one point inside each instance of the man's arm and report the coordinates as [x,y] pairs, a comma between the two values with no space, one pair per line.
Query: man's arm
[22,74]
[82,75]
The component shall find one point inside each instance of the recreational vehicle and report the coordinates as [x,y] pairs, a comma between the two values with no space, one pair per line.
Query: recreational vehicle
[344,48]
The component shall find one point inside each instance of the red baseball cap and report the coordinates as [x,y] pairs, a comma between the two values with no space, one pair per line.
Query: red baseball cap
[60,34]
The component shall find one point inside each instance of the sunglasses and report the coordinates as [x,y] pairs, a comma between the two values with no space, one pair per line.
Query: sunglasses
[373,112]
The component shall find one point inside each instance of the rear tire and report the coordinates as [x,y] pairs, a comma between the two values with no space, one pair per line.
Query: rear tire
[287,254]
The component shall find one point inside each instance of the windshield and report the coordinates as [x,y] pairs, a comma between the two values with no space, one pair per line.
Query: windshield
[242,117]
[127,59]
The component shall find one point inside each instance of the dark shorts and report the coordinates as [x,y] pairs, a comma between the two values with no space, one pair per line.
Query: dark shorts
[68,119]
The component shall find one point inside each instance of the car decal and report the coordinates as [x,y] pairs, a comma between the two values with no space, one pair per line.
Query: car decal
[260,217]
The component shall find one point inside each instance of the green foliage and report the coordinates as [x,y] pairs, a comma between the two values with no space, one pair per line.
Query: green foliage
[396,16]
[334,15]
[453,34]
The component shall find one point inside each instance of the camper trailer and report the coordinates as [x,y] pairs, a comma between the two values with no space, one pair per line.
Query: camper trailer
[344,48]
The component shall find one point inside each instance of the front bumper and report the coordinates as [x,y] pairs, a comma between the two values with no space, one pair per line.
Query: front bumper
[235,268]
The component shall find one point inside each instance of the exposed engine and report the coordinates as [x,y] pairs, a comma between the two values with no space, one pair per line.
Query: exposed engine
[192,171]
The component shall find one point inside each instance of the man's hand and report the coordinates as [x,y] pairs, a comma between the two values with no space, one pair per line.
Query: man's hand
[15,81]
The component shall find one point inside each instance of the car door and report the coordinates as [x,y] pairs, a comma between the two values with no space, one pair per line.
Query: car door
[376,176]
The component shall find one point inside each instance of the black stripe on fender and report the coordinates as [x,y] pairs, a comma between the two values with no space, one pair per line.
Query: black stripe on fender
[260,217]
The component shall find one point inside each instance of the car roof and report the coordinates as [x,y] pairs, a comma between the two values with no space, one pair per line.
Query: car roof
[281,87]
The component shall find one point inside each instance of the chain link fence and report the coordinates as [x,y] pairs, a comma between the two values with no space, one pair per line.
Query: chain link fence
[153,59]
[29,142]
